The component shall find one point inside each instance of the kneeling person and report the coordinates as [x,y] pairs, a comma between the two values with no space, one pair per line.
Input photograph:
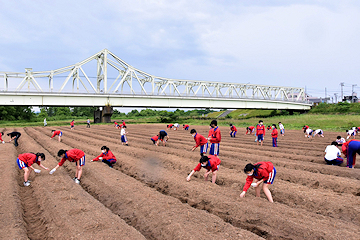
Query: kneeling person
[333,155]
[211,163]
[106,157]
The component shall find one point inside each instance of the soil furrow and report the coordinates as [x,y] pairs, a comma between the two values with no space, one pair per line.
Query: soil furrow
[155,220]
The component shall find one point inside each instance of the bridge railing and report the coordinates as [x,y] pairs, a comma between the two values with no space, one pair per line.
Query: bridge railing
[105,73]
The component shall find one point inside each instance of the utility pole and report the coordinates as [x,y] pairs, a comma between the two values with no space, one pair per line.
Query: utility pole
[325,96]
[352,89]
[342,92]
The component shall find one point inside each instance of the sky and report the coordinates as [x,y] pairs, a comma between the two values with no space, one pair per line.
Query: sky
[312,44]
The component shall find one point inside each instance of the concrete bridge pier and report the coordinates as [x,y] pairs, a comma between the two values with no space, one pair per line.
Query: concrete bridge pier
[106,114]
[103,115]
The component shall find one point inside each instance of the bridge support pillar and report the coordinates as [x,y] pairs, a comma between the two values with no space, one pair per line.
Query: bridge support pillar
[97,116]
[106,114]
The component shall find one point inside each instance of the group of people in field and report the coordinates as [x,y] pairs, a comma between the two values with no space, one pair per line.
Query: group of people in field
[259,173]
[260,131]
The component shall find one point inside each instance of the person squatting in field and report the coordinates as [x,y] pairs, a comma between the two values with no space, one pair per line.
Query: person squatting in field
[1,140]
[73,155]
[333,155]
[106,157]
[210,163]
[186,126]
[233,130]
[260,133]
[308,132]
[123,136]
[170,126]
[162,136]
[201,141]
[262,172]
[349,149]
[274,135]
[72,124]
[14,136]
[250,130]
[351,132]
[318,132]
[340,141]
[58,133]
[25,162]
[215,138]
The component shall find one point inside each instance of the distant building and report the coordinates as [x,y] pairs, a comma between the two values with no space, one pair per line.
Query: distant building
[351,99]
[313,100]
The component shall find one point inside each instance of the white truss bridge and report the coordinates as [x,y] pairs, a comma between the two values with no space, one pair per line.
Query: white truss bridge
[106,80]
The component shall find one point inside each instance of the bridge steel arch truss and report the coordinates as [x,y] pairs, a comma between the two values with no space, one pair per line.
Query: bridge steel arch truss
[132,81]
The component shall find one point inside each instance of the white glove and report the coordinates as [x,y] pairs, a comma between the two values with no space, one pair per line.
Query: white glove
[100,158]
[254,184]
[52,170]
[3,142]
[37,170]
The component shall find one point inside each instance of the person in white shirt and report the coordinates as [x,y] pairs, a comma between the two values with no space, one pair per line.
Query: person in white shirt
[45,123]
[123,136]
[333,155]
[176,126]
[308,132]
[318,132]
[340,141]
[282,129]
[350,133]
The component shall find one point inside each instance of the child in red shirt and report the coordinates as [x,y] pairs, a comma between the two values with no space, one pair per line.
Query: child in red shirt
[25,162]
[250,130]
[263,172]
[211,163]
[200,141]
[106,157]
[233,130]
[260,133]
[215,138]
[72,125]
[73,155]
[274,135]
[59,133]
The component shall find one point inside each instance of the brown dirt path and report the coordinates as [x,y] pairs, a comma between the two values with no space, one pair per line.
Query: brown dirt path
[11,214]
[155,215]
[168,187]
[56,208]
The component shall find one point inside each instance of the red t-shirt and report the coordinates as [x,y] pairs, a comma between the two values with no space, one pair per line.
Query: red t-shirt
[274,133]
[73,155]
[260,129]
[214,162]
[200,140]
[233,128]
[105,156]
[215,135]
[28,158]
[56,133]
[262,173]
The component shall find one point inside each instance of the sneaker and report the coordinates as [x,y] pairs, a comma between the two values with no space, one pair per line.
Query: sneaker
[74,178]
[26,184]
[77,181]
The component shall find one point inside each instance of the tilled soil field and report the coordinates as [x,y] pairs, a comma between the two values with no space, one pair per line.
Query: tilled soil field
[146,195]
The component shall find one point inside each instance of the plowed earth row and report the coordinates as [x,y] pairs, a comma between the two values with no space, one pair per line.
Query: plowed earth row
[146,193]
